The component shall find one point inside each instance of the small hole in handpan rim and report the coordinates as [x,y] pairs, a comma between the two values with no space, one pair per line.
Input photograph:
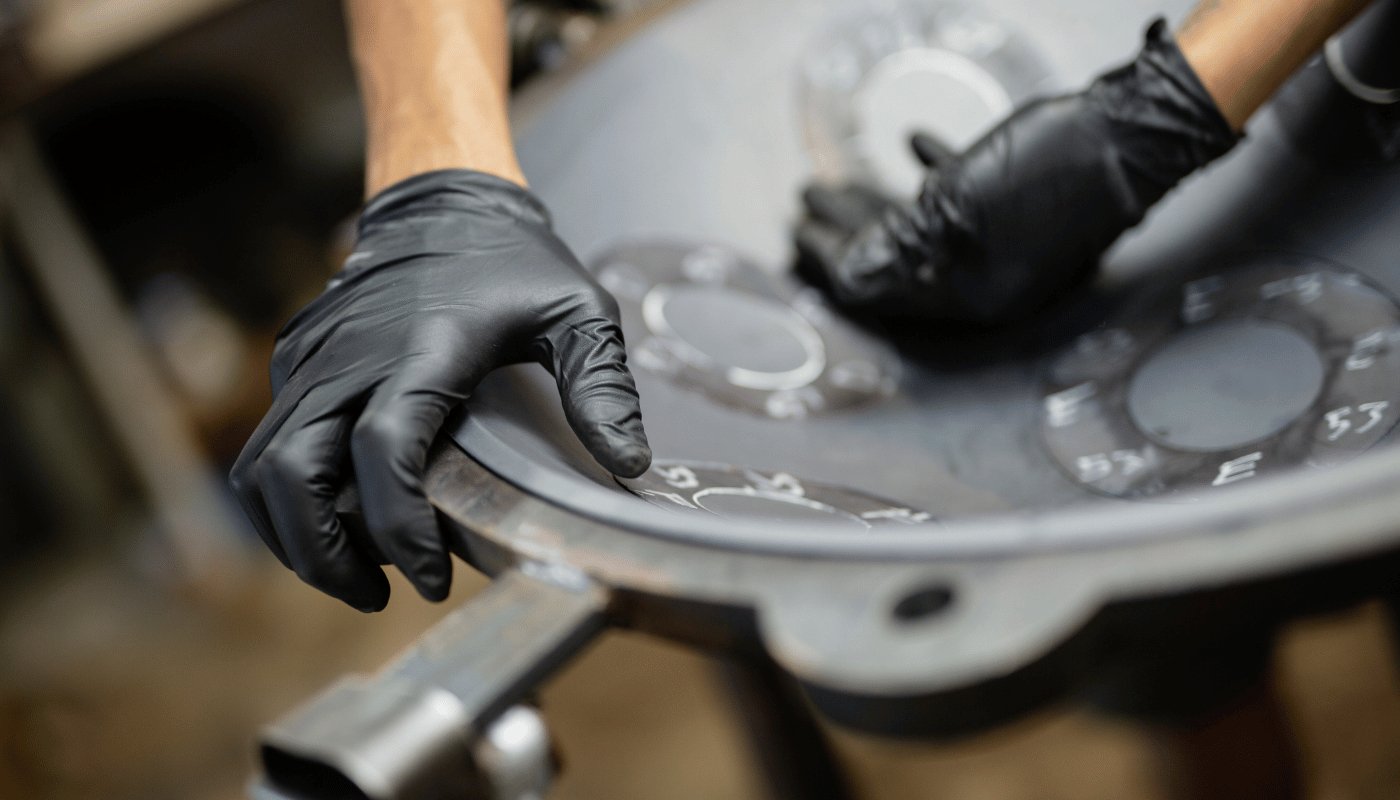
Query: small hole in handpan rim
[923,603]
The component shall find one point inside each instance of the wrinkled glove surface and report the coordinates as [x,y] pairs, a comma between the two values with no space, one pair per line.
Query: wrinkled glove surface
[454,273]
[1027,209]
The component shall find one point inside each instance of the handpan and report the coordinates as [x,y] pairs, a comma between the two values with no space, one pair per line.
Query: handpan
[932,530]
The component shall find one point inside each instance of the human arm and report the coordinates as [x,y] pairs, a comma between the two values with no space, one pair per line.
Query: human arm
[1243,50]
[433,78]
[455,271]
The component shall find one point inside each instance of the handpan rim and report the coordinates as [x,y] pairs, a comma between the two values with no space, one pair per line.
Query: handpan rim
[1358,488]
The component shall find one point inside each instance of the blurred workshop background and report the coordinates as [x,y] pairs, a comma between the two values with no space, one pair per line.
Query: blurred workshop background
[175,180]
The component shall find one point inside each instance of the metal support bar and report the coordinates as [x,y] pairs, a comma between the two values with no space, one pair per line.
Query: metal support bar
[430,725]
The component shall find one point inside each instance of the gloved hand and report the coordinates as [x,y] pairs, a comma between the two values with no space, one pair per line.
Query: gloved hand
[454,273]
[1028,208]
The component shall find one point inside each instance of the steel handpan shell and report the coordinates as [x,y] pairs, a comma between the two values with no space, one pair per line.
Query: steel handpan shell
[1028,589]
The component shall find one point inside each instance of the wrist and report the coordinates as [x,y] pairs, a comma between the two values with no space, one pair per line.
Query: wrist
[1243,50]
[383,175]
[1161,120]
[397,152]
[433,79]
[453,190]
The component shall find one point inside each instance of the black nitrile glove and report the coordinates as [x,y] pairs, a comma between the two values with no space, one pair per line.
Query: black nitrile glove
[454,273]
[1028,208]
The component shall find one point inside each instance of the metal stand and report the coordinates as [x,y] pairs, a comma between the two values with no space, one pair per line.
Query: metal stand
[1202,687]
[1245,752]
[443,718]
[794,755]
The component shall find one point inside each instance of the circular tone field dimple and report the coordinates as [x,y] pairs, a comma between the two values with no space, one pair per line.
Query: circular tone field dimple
[1281,362]
[927,90]
[738,329]
[1225,385]
[717,325]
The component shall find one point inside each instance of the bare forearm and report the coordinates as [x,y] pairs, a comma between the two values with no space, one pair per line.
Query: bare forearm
[1243,50]
[433,76]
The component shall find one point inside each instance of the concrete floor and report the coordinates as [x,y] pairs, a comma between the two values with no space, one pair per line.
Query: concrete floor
[114,688]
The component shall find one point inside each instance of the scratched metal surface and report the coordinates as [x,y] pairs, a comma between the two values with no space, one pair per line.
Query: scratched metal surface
[690,132]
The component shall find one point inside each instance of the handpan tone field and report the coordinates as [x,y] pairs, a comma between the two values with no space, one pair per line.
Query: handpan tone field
[1282,362]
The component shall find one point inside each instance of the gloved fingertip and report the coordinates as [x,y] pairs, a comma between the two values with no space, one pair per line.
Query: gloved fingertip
[433,591]
[811,240]
[433,581]
[812,194]
[930,150]
[631,461]
[846,208]
[371,608]
[367,595]
[823,202]
[605,412]
[817,251]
